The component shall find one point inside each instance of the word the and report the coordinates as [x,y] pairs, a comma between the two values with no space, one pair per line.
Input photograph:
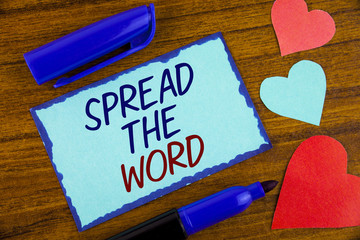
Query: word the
[169,160]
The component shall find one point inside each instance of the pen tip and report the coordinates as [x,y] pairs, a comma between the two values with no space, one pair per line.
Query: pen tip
[269,185]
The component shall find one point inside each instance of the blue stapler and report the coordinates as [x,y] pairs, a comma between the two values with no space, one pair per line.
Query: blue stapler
[135,27]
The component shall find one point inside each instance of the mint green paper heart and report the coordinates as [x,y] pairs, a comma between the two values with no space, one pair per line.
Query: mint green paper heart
[300,96]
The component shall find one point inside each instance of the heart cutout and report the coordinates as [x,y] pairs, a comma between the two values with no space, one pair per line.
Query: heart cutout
[297,29]
[317,192]
[300,96]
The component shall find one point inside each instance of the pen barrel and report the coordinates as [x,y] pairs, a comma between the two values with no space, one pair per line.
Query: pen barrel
[218,207]
[163,227]
[87,44]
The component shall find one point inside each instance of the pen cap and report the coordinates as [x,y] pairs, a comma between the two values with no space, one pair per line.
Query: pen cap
[135,26]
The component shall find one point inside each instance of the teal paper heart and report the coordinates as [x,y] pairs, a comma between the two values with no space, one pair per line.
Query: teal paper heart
[300,96]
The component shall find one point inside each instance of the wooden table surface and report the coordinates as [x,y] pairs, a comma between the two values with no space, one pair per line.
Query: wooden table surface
[32,204]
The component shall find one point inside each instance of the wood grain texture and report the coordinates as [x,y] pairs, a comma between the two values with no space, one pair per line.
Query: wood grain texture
[32,204]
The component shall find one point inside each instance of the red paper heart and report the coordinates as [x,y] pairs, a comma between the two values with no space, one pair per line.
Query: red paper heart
[297,29]
[317,192]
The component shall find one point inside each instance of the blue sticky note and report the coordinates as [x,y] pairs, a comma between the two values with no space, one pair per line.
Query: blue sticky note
[300,96]
[140,134]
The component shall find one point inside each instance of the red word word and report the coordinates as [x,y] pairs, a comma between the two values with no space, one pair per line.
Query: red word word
[169,160]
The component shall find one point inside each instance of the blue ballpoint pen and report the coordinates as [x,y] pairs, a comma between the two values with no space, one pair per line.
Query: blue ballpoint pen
[178,224]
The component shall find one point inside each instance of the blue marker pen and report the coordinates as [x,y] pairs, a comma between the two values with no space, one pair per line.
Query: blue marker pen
[178,224]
